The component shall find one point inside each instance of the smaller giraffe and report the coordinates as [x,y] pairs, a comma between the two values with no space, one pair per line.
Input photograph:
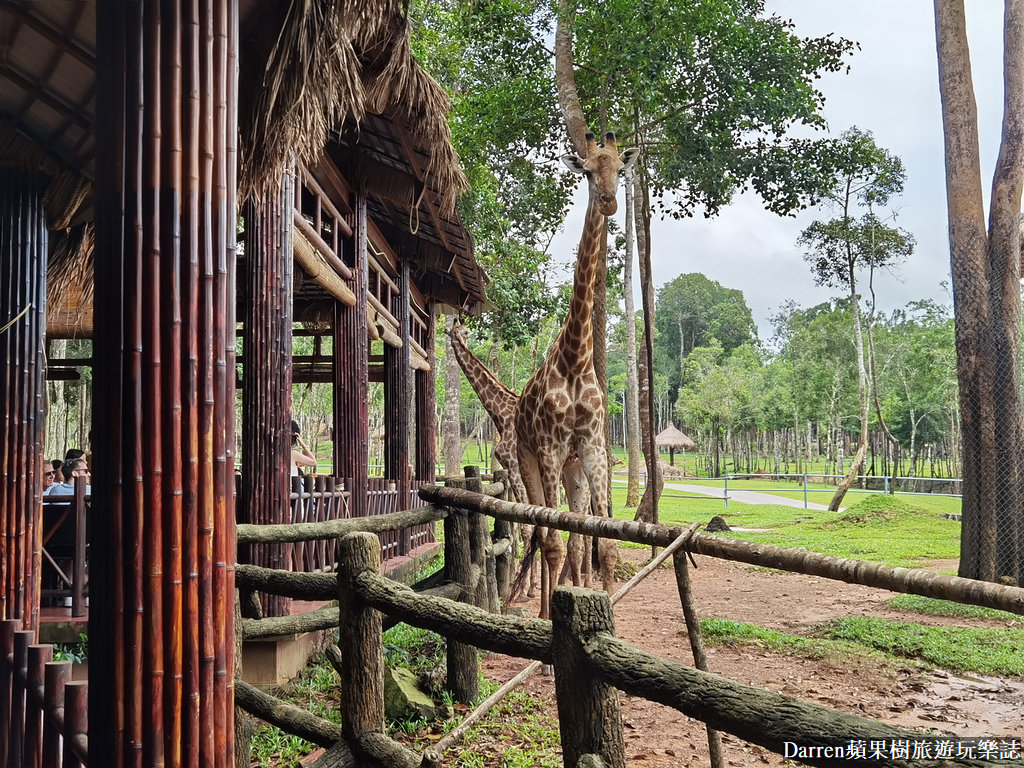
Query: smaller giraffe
[500,403]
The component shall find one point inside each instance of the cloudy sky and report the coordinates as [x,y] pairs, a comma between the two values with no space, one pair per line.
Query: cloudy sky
[891,90]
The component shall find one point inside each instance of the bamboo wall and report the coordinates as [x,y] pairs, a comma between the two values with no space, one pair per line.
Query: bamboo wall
[351,375]
[23,251]
[162,540]
[267,377]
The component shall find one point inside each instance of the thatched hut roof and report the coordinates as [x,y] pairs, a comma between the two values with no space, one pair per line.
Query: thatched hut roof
[357,53]
[670,437]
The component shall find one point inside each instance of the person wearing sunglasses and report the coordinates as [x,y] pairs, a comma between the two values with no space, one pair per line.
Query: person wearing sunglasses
[72,468]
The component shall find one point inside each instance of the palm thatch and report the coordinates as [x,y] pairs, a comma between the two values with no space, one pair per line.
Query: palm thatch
[69,283]
[334,61]
[670,437]
[673,439]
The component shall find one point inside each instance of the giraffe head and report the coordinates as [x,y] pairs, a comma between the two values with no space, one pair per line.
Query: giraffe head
[603,166]
[460,330]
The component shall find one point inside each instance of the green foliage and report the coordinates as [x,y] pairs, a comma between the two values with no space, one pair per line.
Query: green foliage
[726,632]
[411,647]
[931,606]
[76,653]
[989,651]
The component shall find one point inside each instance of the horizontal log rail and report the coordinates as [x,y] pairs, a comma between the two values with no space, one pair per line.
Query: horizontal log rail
[758,716]
[912,580]
[290,532]
[326,617]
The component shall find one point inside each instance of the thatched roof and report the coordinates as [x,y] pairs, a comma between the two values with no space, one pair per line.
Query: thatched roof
[670,437]
[355,53]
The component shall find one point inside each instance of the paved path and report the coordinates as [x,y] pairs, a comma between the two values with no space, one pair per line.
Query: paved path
[746,497]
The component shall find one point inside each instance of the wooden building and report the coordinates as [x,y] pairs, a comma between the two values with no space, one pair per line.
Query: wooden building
[176,177]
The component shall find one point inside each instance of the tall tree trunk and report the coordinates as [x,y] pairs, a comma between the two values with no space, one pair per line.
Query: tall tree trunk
[986,272]
[862,391]
[648,509]
[632,414]
[452,430]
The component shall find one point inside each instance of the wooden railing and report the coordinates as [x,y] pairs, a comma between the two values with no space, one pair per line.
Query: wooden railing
[591,664]
[43,713]
[317,500]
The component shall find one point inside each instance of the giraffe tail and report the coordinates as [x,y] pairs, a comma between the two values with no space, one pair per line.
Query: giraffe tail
[524,570]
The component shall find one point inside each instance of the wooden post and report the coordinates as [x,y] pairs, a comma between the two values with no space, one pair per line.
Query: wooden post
[23,259]
[506,562]
[588,708]
[351,374]
[267,376]
[78,564]
[482,562]
[426,408]
[162,529]
[362,678]
[462,665]
[7,629]
[22,639]
[693,632]
[397,369]
[76,721]
[58,674]
[38,657]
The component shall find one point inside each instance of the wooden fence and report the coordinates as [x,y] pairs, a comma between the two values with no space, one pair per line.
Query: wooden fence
[591,664]
[43,713]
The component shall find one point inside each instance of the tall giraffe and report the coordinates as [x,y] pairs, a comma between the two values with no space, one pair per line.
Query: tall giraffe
[500,403]
[562,409]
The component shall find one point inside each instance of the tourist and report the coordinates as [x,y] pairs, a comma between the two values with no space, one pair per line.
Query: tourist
[301,455]
[72,468]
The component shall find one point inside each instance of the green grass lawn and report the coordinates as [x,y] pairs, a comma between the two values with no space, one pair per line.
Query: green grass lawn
[894,530]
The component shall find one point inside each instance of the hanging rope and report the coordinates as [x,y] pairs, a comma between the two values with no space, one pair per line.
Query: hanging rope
[414,230]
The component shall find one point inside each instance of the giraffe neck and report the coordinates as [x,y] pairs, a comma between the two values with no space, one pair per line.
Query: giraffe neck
[498,400]
[577,338]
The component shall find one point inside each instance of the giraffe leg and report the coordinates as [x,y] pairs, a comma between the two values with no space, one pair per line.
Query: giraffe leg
[579,502]
[594,460]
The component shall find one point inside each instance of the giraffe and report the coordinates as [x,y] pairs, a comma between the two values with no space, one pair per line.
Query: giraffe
[562,409]
[500,403]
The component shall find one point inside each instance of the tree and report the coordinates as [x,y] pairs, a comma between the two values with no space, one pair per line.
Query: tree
[986,272]
[837,249]
[692,310]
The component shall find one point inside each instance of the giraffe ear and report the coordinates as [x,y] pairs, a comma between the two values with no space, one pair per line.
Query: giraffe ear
[574,164]
[629,157]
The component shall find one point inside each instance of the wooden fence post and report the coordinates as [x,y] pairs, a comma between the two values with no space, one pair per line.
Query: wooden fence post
[7,629]
[462,669]
[362,679]
[693,631]
[22,639]
[58,673]
[485,594]
[588,708]
[38,656]
[505,563]
[76,720]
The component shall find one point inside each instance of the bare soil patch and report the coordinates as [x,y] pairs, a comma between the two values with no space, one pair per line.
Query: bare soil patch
[905,695]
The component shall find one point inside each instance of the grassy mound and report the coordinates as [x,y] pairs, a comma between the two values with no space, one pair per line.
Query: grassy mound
[878,508]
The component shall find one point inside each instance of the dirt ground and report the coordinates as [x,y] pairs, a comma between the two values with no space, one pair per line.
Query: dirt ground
[651,618]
